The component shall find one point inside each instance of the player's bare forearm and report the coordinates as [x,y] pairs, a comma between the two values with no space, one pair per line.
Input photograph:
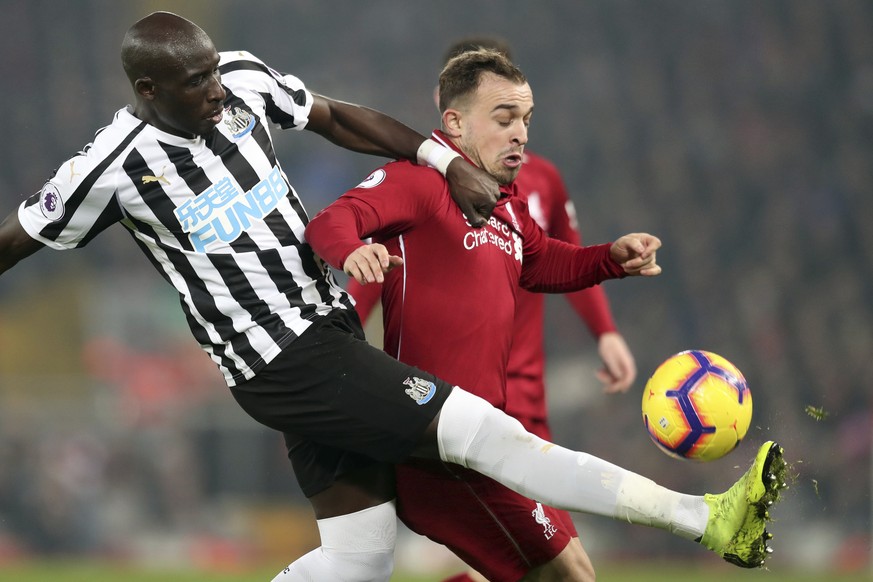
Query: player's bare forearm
[473,190]
[15,243]
[362,129]
[365,130]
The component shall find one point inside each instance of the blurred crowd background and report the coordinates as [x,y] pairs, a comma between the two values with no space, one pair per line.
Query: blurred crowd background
[739,131]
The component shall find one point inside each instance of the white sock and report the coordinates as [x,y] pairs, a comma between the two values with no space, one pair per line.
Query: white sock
[474,434]
[357,547]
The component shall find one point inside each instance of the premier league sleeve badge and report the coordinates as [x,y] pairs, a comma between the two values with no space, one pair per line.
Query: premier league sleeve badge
[50,202]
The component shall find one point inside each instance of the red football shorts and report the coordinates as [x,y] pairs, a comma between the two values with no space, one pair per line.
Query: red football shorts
[493,529]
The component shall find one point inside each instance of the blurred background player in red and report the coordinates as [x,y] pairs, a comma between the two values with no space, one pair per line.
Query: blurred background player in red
[541,184]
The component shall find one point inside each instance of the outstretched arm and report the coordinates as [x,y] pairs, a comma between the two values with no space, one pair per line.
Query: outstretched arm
[368,131]
[559,267]
[15,243]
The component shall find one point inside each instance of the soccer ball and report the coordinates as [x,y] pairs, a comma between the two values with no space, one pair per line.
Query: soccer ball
[697,406]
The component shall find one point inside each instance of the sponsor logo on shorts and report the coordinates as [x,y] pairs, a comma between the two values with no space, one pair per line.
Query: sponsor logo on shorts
[420,390]
[540,516]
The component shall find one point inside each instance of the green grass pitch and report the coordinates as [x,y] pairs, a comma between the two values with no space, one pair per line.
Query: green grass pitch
[53,571]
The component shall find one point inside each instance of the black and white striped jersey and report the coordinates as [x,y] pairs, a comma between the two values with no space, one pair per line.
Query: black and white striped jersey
[216,216]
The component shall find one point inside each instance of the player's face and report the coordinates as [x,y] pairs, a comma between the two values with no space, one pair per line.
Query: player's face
[188,95]
[494,126]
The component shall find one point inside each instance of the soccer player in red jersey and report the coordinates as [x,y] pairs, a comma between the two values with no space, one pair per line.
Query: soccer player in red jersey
[434,306]
[540,183]
[453,306]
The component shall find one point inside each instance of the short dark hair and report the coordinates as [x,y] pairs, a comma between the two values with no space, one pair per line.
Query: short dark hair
[472,43]
[462,74]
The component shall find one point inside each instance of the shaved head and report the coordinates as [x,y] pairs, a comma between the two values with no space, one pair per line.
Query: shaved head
[158,42]
[173,68]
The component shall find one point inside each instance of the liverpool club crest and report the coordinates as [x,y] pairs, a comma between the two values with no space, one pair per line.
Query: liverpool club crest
[539,514]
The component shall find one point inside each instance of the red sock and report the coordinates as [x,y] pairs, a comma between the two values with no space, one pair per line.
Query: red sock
[459,578]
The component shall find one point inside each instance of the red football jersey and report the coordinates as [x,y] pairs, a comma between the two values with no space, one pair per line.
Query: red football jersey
[450,308]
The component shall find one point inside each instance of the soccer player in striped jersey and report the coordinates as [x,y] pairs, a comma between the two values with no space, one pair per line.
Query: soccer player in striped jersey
[449,300]
[190,171]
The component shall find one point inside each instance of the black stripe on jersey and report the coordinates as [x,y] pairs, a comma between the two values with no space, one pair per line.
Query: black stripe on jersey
[277,115]
[223,324]
[205,304]
[197,182]
[278,225]
[183,161]
[241,290]
[154,196]
[298,207]
[243,173]
[262,137]
[33,199]
[199,332]
[314,271]
[274,221]
[51,231]
[272,262]
[110,215]
[259,132]
[298,96]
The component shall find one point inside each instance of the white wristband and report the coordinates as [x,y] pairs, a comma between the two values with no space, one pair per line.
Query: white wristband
[436,155]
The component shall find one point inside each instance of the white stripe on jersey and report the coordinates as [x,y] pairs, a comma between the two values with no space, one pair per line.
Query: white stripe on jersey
[216,216]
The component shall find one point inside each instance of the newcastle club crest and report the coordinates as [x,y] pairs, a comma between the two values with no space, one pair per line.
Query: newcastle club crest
[238,121]
[419,390]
